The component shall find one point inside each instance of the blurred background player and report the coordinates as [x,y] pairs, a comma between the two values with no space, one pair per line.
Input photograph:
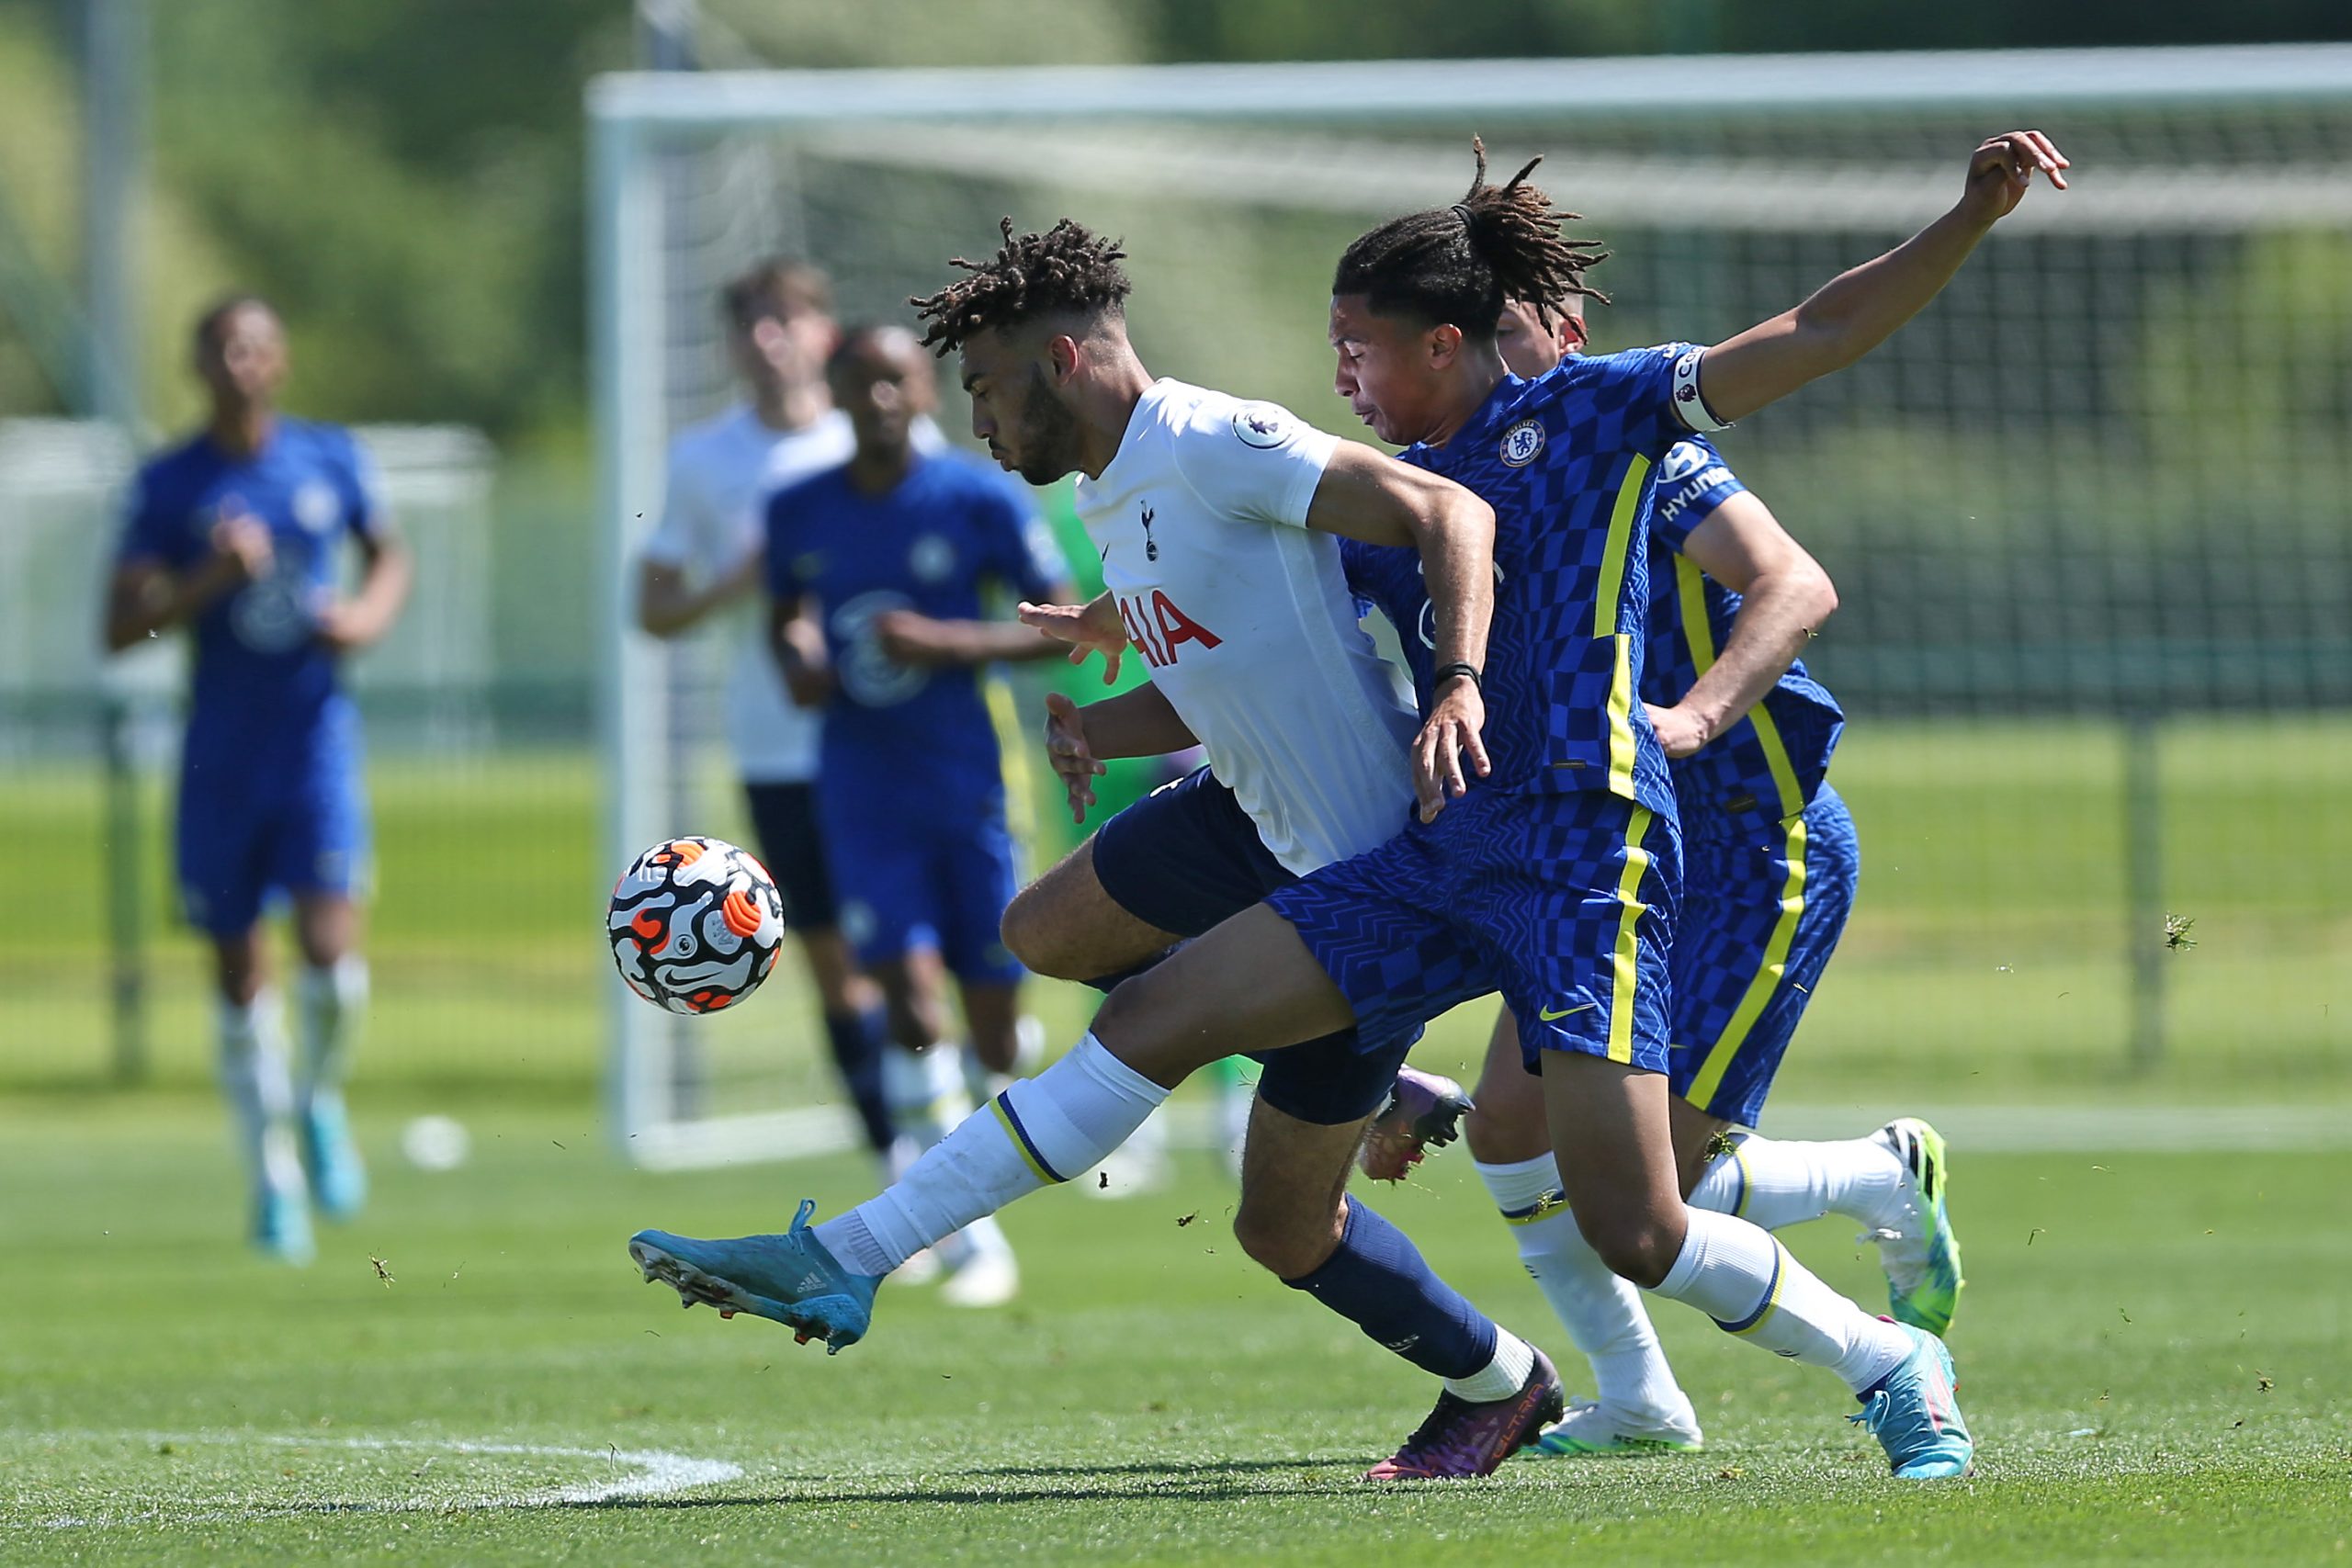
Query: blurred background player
[237,533]
[1770,867]
[705,558]
[875,571]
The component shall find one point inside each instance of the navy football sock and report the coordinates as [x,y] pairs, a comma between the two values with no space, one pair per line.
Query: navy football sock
[1377,1281]
[857,1040]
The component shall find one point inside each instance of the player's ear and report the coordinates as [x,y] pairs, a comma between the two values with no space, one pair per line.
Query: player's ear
[1442,343]
[1062,355]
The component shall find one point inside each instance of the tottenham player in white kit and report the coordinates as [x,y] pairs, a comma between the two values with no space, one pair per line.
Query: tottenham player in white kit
[1198,500]
[705,559]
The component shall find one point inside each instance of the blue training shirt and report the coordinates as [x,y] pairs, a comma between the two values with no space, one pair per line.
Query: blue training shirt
[1569,462]
[930,544]
[263,687]
[1771,763]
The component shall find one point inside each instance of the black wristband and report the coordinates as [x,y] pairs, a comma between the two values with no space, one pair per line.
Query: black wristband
[1448,671]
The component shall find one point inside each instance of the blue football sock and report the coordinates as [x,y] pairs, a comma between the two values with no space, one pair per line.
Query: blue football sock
[857,1038]
[1377,1281]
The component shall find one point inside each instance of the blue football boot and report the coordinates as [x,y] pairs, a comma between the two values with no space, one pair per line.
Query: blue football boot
[1915,1413]
[331,1158]
[789,1279]
[282,1222]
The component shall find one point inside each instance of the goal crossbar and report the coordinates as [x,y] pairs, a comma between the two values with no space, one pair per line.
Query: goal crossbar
[1663,87]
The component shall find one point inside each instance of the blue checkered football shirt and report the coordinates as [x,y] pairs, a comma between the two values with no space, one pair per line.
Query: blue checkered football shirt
[1568,461]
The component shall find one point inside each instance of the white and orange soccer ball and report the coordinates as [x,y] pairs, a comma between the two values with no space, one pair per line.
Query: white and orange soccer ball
[696,924]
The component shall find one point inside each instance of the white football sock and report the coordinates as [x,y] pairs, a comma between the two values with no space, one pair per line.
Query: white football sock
[1602,1312]
[330,1003]
[1737,1274]
[260,1094]
[1043,1130]
[1500,1378]
[1775,1184]
[924,1090]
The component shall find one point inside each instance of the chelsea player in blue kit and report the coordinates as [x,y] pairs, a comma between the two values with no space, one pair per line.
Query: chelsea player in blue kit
[1768,880]
[875,571]
[238,533]
[1551,877]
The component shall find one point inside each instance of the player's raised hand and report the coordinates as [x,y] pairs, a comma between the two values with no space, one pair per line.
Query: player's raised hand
[241,540]
[1091,627]
[1450,737]
[1067,748]
[2000,170]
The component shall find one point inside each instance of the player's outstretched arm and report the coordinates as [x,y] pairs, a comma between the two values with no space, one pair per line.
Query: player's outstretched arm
[1857,311]
[1367,495]
[1786,596]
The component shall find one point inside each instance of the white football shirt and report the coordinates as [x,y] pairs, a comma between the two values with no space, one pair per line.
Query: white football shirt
[721,473]
[1245,618]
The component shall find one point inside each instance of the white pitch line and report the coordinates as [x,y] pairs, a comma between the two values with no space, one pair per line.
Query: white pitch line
[658,1472]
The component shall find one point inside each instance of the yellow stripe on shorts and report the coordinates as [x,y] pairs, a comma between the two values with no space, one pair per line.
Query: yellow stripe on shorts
[1766,982]
[1626,967]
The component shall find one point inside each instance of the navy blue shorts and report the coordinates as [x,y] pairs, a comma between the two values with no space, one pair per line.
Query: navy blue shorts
[243,842]
[1763,904]
[1186,858]
[784,818]
[1564,903]
[914,878]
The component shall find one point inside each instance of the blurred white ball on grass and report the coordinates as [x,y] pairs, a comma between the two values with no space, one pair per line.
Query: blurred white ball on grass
[436,1143]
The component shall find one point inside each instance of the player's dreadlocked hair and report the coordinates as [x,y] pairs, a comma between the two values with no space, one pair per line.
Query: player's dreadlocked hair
[1066,268]
[1458,264]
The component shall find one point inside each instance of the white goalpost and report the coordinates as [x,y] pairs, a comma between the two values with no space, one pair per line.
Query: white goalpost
[2101,484]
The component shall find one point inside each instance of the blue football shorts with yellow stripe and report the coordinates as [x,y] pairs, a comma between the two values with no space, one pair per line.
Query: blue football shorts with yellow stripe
[1563,902]
[1763,904]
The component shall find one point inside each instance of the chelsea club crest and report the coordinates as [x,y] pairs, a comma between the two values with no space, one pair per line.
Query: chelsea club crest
[1522,442]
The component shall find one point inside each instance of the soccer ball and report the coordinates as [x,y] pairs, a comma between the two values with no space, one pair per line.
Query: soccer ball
[696,924]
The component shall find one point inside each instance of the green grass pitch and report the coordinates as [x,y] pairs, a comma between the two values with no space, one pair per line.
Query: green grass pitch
[2154,1347]
[2152,1350]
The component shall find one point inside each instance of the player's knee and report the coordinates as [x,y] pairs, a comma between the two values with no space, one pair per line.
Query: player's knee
[1281,1244]
[1032,934]
[1635,1244]
[1503,1134]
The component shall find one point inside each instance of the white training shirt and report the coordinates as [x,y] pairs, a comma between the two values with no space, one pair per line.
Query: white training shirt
[1244,617]
[721,473]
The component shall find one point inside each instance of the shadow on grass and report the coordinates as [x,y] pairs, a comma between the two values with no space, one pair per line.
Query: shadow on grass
[1172,1479]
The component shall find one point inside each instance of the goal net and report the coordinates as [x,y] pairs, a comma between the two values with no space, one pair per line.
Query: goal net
[2090,516]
